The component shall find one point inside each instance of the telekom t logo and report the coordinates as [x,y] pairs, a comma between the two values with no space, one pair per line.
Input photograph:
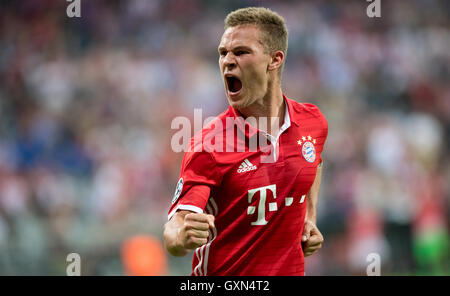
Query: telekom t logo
[261,211]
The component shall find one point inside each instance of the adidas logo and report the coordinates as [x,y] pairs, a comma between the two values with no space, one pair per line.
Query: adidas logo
[246,166]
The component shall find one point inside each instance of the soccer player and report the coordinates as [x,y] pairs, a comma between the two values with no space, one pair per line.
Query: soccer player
[251,212]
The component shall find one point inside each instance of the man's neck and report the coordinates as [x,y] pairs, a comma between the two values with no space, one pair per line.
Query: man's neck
[272,107]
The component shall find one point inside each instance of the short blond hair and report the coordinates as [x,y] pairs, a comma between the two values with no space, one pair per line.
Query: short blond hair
[272,26]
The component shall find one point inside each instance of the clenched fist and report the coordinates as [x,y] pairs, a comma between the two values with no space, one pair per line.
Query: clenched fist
[312,239]
[194,231]
[186,231]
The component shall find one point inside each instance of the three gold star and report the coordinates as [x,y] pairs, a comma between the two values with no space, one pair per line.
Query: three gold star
[303,139]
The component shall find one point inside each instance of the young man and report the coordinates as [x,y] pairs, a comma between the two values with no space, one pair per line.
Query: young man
[251,212]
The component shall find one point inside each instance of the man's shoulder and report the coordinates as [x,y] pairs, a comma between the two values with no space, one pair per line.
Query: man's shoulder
[305,111]
[216,124]
[304,108]
[210,136]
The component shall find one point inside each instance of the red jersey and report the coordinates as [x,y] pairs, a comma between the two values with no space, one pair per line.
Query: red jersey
[259,206]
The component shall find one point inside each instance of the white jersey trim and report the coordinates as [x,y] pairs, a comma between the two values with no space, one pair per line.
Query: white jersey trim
[202,252]
[185,207]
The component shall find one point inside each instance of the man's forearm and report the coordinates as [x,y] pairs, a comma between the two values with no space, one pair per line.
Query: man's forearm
[313,196]
[172,240]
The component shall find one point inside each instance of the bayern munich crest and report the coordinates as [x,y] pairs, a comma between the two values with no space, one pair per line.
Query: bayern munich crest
[308,149]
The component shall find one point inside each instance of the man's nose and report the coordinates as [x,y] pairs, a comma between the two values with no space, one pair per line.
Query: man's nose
[229,61]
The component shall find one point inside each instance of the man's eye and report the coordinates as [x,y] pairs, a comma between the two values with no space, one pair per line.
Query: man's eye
[222,53]
[240,52]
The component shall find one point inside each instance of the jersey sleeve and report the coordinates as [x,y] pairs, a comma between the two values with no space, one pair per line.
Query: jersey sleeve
[321,125]
[323,134]
[199,174]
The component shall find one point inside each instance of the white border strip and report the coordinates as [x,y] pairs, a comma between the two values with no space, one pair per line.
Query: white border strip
[198,269]
[185,207]
[203,251]
[213,202]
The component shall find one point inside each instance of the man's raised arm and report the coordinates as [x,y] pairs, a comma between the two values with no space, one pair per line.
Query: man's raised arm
[312,239]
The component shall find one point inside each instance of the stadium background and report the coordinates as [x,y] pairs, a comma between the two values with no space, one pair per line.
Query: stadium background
[86,105]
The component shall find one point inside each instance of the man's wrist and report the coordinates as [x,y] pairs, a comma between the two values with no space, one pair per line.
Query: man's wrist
[311,219]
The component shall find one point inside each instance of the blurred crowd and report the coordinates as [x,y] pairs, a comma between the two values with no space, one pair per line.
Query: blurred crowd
[86,106]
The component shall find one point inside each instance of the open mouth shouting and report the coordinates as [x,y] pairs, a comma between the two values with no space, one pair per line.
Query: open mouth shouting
[233,85]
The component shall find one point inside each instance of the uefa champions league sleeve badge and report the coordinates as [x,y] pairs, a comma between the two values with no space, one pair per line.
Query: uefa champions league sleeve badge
[178,190]
[308,150]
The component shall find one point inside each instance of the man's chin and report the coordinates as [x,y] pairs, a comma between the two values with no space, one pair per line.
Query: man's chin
[237,103]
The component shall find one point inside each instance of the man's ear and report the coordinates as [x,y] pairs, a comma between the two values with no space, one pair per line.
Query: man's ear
[276,60]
